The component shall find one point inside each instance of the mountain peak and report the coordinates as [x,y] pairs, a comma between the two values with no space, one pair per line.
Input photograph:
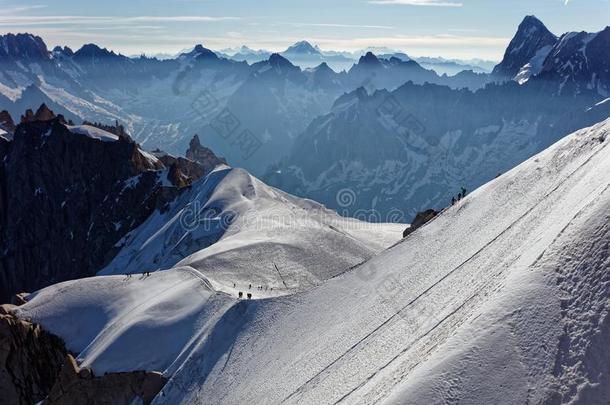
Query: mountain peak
[277,60]
[6,122]
[302,48]
[323,67]
[532,20]
[369,59]
[65,51]
[23,47]
[201,52]
[202,155]
[94,51]
[531,37]
[42,114]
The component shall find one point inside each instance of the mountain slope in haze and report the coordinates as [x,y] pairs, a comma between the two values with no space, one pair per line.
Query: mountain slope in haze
[414,148]
[574,63]
[502,298]
[199,91]
[579,62]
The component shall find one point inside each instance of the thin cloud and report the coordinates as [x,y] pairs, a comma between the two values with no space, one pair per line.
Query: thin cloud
[427,3]
[331,25]
[76,19]
[21,9]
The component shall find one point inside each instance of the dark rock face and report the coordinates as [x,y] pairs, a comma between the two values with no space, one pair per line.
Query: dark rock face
[42,114]
[6,122]
[30,360]
[35,366]
[420,220]
[578,63]
[531,37]
[65,200]
[77,385]
[24,47]
[183,172]
[202,155]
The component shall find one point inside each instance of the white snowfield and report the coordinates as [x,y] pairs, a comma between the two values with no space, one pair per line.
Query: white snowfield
[234,229]
[93,132]
[503,298]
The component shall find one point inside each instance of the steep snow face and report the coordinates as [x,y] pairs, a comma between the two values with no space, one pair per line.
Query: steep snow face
[534,66]
[238,232]
[503,297]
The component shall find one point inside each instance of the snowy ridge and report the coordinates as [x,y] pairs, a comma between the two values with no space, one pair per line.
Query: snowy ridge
[503,298]
[107,327]
[230,217]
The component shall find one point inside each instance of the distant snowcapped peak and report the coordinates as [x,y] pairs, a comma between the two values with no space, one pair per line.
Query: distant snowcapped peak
[303,48]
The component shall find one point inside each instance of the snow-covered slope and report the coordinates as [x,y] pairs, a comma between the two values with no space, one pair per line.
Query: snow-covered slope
[254,234]
[503,298]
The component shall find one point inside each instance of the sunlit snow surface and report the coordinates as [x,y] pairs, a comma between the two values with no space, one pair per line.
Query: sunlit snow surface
[93,132]
[503,298]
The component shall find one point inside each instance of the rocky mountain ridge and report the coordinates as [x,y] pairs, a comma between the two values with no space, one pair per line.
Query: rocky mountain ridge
[69,193]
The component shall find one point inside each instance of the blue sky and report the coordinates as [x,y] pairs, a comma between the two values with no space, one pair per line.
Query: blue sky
[450,28]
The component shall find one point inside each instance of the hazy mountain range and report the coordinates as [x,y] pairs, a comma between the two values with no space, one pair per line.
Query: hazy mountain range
[386,114]
[145,268]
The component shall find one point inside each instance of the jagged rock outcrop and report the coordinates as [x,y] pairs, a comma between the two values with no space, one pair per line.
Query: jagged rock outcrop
[22,47]
[36,367]
[182,172]
[202,155]
[420,220]
[6,122]
[66,199]
[77,385]
[30,360]
[579,62]
[42,114]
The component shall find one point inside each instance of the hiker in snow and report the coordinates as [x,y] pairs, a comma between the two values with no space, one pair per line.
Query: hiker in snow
[240,295]
[233,285]
[249,296]
[463,192]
